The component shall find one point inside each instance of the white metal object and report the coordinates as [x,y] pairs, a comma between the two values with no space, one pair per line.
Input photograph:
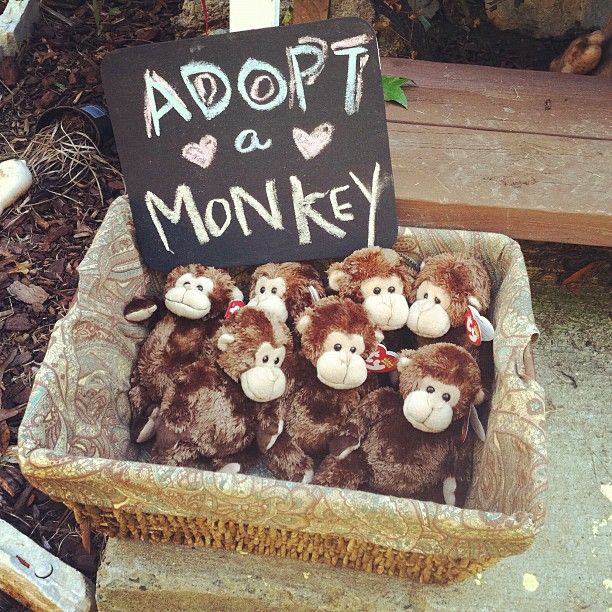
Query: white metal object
[253,14]
[15,180]
[39,580]
[16,23]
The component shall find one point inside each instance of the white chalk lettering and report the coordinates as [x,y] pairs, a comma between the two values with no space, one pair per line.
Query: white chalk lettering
[298,77]
[250,66]
[211,224]
[338,208]
[372,197]
[183,196]
[203,98]
[152,114]
[273,218]
[302,207]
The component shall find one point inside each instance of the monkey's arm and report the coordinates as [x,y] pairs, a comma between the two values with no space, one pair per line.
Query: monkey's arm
[374,407]
[270,424]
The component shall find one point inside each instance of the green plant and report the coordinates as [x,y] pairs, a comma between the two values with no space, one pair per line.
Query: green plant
[392,89]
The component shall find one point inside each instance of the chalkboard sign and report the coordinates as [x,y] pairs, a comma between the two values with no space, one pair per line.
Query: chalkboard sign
[265,145]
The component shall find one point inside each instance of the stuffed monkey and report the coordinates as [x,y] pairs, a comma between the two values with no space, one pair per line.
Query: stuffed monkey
[285,290]
[382,282]
[443,290]
[409,444]
[196,298]
[214,406]
[326,381]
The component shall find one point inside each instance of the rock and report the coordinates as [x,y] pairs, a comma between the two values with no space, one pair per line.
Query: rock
[192,17]
[15,181]
[546,18]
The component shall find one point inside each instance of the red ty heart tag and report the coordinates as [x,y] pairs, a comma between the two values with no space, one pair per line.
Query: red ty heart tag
[472,327]
[233,307]
[382,360]
[478,327]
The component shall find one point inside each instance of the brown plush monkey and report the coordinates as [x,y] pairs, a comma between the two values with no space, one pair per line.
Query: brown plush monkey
[283,289]
[409,443]
[196,298]
[444,288]
[382,282]
[213,406]
[326,381]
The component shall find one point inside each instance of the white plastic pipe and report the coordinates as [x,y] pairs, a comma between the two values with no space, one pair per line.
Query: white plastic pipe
[15,180]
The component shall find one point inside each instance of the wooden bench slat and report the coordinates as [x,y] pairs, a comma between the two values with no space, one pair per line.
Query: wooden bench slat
[527,186]
[480,97]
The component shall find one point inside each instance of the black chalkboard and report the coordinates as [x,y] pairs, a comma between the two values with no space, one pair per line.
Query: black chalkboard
[255,146]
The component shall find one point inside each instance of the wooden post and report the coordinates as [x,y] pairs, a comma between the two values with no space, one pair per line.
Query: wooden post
[310,10]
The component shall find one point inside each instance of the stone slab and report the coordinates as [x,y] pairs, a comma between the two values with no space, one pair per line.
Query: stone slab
[567,568]
[16,22]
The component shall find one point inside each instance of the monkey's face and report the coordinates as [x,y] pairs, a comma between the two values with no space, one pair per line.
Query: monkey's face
[428,316]
[189,296]
[265,381]
[430,407]
[384,301]
[269,295]
[341,365]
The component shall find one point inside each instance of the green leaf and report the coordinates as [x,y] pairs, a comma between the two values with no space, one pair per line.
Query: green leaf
[392,89]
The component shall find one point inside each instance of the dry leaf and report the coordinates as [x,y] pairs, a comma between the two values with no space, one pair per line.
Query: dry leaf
[5,437]
[28,294]
[21,267]
[581,274]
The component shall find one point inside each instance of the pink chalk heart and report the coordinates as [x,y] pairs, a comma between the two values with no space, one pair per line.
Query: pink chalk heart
[202,153]
[310,145]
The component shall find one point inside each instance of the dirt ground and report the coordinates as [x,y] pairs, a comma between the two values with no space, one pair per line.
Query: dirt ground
[43,238]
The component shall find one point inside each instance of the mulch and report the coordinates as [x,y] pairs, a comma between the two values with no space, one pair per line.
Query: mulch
[43,238]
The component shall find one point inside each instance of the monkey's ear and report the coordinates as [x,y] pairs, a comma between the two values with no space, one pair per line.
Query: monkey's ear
[224,341]
[391,256]
[480,397]
[475,302]
[405,359]
[237,294]
[336,278]
[303,324]
[379,335]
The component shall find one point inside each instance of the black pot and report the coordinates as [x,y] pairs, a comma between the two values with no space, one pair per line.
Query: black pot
[96,116]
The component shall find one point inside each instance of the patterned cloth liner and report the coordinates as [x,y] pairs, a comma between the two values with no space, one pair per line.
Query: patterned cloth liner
[74,439]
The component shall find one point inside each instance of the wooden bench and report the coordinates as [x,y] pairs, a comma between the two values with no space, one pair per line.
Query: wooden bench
[520,152]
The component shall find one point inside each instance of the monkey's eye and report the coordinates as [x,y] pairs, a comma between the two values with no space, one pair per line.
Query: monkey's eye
[277,360]
[426,295]
[200,288]
[353,349]
[274,289]
[376,290]
[337,347]
[430,389]
[391,289]
[186,284]
[262,290]
[437,300]
[265,359]
[446,397]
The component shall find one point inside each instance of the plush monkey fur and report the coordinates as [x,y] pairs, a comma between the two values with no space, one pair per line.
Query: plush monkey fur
[213,406]
[382,282]
[326,381]
[283,289]
[196,298]
[443,288]
[408,443]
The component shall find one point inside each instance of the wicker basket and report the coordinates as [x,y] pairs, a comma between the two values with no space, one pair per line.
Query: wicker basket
[74,441]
